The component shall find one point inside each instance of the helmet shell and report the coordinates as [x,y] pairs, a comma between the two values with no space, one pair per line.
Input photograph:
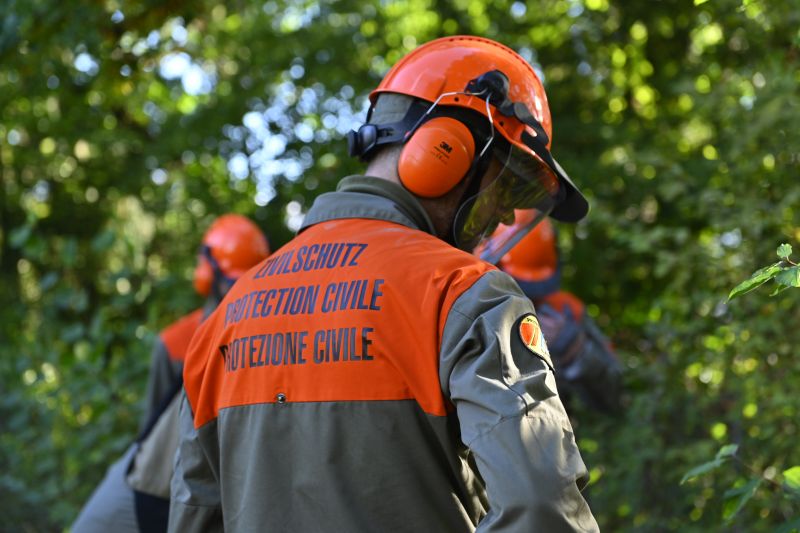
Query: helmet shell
[236,244]
[535,257]
[448,64]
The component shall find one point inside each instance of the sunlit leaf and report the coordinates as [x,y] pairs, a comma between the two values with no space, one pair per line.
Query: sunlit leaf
[758,278]
[791,477]
[729,450]
[789,277]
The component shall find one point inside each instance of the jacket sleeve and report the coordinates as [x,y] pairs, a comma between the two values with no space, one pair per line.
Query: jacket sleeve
[194,490]
[509,413]
[164,373]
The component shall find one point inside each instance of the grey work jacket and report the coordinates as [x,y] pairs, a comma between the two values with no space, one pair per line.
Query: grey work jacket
[497,454]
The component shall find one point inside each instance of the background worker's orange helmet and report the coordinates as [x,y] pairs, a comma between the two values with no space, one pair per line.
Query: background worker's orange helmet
[533,261]
[534,257]
[232,245]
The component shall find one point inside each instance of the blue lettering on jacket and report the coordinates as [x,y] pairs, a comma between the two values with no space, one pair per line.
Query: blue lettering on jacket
[351,344]
[317,256]
[342,344]
[355,294]
[269,349]
[301,300]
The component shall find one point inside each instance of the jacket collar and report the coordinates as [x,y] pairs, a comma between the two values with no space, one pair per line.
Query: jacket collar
[369,197]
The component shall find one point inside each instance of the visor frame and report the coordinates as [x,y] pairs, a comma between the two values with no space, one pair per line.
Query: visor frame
[471,216]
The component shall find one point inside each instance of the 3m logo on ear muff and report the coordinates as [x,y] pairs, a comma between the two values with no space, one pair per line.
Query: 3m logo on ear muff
[436,157]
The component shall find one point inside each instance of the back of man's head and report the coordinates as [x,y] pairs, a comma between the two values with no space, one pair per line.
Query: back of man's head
[454,105]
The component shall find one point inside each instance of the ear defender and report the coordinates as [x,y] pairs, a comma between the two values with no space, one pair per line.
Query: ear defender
[361,142]
[203,276]
[436,157]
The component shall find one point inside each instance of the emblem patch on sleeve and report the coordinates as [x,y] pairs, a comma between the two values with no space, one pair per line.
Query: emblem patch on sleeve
[532,337]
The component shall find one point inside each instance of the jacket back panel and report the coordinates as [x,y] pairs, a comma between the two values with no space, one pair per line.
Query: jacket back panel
[316,389]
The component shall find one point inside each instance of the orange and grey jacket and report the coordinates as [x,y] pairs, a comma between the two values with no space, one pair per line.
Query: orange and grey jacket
[370,377]
[166,362]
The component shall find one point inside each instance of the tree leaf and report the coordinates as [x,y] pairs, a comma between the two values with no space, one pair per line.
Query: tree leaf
[701,469]
[784,251]
[729,450]
[758,278]
[791,477]
[724,453]
[779,289]
[789,277]
[738,497]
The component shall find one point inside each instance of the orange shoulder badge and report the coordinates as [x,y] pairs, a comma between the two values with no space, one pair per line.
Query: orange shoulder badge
[532,337]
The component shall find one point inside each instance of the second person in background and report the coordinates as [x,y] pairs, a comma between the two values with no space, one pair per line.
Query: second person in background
[134,495]
[586,367]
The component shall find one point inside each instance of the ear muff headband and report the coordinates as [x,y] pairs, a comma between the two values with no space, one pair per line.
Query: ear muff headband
[436,157]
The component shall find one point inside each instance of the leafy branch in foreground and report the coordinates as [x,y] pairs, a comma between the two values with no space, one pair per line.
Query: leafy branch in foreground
[737,496]
[785,273]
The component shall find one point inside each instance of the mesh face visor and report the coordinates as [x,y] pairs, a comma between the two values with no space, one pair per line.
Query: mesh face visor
[523,182]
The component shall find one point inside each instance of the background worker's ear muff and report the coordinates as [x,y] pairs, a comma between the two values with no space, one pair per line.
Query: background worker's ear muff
[203,276]
[436,157]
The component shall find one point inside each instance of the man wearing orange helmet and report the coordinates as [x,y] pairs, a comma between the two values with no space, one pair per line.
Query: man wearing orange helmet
[230,247]
[373,375]
[585,364]
[133,497]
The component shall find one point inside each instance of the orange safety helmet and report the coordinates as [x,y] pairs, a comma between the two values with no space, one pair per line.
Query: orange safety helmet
[232,245]
[450,64]
[488,78]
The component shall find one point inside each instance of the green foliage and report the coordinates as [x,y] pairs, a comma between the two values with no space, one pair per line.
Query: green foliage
[125,128]
[736,497]
[785,272]
[791,477]
[725,453]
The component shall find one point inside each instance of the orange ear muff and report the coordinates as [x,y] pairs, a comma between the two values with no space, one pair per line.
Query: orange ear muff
[436,157]
[203,276]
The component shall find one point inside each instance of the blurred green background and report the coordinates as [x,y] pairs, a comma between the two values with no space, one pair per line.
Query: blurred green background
[126,127]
